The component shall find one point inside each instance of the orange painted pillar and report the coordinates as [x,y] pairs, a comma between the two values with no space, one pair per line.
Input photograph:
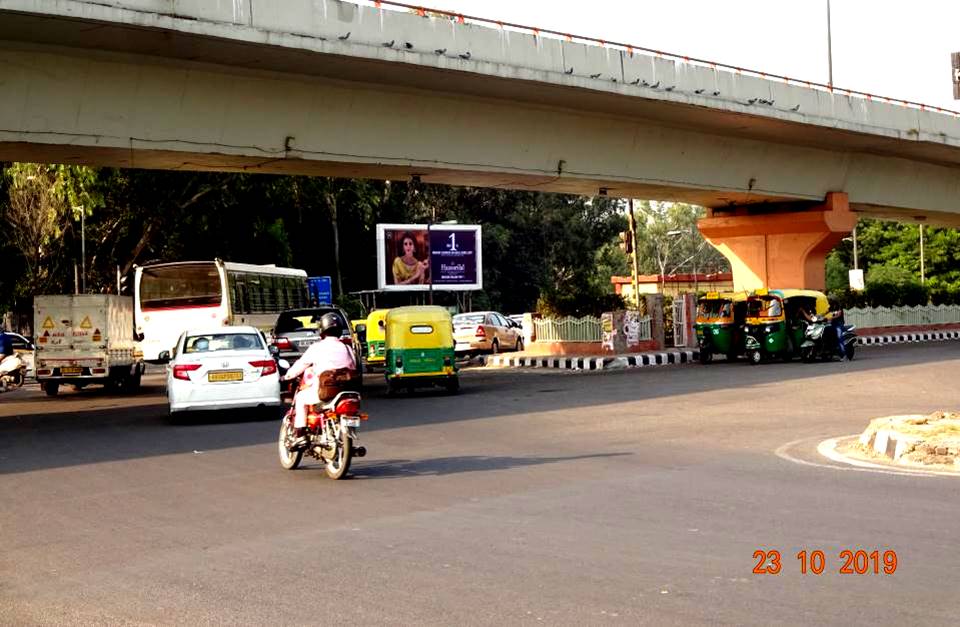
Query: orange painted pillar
[779,246]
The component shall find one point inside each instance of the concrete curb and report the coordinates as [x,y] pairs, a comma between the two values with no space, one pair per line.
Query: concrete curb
[607,362]
[917,336]
[664,358]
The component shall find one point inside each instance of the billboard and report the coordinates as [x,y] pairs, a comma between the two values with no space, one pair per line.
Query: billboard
[414,257]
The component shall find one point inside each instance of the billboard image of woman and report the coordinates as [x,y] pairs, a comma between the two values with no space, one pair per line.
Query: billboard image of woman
[410,256]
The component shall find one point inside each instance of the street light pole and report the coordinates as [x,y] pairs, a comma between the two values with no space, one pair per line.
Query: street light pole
[922,269]
[829,49]
[855,266]
[83,252]
[631,222]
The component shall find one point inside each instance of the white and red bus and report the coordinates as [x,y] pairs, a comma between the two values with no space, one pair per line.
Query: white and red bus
[171,297]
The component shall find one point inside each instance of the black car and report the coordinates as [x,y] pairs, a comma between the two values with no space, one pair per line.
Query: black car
[296,329]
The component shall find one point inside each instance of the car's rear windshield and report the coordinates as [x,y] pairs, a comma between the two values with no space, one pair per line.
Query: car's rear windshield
[303,320]
[214,342]
[469,319]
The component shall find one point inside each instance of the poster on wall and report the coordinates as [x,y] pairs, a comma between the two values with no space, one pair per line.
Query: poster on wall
[414,257]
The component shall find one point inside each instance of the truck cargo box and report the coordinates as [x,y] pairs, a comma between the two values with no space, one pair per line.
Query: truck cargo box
[85,338]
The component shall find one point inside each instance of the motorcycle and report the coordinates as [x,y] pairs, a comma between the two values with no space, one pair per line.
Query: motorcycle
[820,340]
[331,434]
[13,372]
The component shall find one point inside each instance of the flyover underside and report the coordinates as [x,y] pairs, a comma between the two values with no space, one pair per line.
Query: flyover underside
[80,106]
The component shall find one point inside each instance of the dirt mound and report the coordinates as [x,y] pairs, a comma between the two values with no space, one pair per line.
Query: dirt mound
[932,439]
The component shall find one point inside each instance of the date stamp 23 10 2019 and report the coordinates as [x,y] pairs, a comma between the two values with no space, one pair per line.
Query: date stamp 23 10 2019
[849,562]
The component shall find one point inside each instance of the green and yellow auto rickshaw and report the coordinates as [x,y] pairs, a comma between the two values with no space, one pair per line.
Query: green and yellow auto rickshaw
[419,349]
[719,325]
[775,322]
[376,337]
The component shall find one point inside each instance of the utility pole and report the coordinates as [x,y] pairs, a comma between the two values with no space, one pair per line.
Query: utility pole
[83,252]
[855,266]
[922,269]
[632,227]
[829,49]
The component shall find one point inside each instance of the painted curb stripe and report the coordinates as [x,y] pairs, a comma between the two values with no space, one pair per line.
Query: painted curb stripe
[686,356]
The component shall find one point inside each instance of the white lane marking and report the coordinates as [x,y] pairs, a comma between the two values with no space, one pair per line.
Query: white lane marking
[782,453]
[828,448]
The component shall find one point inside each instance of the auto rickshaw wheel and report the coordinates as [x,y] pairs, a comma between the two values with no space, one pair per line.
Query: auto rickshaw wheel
[754,357]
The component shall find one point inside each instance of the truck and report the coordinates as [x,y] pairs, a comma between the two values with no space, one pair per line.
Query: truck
[85,339]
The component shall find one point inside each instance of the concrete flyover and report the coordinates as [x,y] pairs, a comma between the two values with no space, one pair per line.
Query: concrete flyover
[333,88]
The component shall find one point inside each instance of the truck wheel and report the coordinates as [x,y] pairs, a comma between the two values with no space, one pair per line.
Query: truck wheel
[52,388]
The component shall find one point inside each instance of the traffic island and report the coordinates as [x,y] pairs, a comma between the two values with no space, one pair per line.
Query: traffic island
[931,440]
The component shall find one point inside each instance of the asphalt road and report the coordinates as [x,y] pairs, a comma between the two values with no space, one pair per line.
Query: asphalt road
[631,497]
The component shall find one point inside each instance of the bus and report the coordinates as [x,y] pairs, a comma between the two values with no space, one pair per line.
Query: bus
[170,297]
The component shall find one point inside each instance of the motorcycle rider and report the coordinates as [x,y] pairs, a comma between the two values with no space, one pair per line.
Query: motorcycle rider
[6,351]
[835,318]
[327,354]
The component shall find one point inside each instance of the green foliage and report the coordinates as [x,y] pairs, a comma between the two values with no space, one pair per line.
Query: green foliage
[837,273]
[668,241]
[534,245]
[890,285]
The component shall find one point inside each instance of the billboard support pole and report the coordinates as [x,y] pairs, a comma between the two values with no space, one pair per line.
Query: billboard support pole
[429,252]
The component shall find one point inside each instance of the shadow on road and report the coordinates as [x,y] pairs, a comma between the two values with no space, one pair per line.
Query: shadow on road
[393,468]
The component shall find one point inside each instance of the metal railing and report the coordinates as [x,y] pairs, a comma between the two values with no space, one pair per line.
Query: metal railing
[869,317]
[644,329]
[586,329]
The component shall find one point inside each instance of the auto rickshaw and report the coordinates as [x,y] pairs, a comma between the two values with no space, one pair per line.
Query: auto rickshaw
[719,326]
[376,335]
[774,324]
[419,349]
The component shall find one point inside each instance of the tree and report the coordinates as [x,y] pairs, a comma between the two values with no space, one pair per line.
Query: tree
[43,203]
[668,240]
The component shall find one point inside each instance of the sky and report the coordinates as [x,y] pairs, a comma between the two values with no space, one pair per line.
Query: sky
[894,48]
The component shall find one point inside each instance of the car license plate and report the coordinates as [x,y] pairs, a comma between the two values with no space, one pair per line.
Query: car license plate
[71,371]
[225,375]
[350,422]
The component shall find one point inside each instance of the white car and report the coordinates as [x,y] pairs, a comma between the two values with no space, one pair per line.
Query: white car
[223,368]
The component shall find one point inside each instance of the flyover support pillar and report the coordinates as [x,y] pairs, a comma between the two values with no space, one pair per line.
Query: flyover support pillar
[779,245]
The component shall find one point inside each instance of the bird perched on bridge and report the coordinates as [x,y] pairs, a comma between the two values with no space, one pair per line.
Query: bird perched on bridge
[698,91]
[796,108]
[716,92]
[613,80]
[440,50]
[752,101]
[655,85]
[345,37]
[389,44]
[636,82]
[596,75]
[408,45]
[570,71]
[465,56]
